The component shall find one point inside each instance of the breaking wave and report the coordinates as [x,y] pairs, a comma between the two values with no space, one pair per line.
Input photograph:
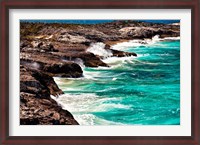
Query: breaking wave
[139,42]
[83,107]
[98,49]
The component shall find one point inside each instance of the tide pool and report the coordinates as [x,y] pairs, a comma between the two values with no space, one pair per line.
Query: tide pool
[143,90]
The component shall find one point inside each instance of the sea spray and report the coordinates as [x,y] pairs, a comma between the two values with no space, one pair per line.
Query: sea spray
[98,49]
[79,62]
[139,42]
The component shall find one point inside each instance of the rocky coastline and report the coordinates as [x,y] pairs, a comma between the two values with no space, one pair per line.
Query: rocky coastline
[50,50]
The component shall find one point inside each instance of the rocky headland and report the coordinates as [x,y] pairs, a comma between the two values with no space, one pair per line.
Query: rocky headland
[58,50]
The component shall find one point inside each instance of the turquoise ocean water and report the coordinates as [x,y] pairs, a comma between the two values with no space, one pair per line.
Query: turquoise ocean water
[143,90]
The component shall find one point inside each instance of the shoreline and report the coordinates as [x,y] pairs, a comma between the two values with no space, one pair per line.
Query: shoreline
[58,54]
[71,94]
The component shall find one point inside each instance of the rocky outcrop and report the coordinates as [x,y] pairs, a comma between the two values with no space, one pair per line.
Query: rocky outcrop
[60,50]
[36,105]
[88,59]
[118,53]
[113,31]
[50,64]
[40,111]
[147,32]
[65,37]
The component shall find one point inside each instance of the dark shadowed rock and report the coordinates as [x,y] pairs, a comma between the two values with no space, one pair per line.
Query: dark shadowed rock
[50,64]
[119,53]
[29,84]
[89,59]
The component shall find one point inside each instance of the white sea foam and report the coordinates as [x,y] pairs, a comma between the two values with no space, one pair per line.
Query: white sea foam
[117,60]
[135,43]
[80,62]
[65,81]
[61,80]
[70,83]
[171,38]
[116,63]
[90,119]
[114,79]
[139,42]
[88,103]
[83,105]
[126,45]
[98,49]
[91,75]
[85,119]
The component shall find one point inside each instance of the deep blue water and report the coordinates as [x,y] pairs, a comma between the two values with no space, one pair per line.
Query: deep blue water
[95,21]
[161,21]
[143,90]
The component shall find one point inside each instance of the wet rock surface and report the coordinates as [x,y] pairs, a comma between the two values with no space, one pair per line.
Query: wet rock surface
[59,50]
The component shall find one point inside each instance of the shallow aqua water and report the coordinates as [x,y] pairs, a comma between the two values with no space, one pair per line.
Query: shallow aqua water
[143,90]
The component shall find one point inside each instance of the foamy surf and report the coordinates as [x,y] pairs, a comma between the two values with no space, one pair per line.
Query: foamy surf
[98,49]
[111,61]
[139,42]
[90,119]
[83,105]
[171,38]
[127,92]
[86,102]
